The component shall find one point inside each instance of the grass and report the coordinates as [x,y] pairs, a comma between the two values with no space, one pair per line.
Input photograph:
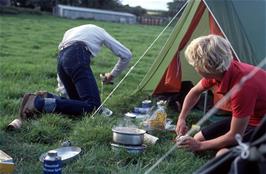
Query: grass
[28,53]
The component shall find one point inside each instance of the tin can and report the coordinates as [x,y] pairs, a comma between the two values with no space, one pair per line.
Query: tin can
[15,124]
[52,163]
[150,139]
[139,110]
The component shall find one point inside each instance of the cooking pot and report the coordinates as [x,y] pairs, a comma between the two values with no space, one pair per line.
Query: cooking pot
[128,136]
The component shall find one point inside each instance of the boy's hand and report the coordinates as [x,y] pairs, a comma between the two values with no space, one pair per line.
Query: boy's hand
[107,78]
[189,143]
[181,127]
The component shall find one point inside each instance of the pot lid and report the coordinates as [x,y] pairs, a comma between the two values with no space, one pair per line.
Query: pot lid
[128,130]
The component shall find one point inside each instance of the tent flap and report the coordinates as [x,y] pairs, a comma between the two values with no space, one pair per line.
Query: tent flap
[242,22]
[158,68]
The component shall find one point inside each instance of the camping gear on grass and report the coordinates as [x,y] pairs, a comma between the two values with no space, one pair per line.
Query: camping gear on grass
[67,154]
[6,163]
[169,126]
[133,115]
[129,139]
[15,124]
[146,104]
[243,159]
[129,149]
[144,108]
[52,163]
[66,143]
[157,117]
[150,139]
[106,112]
[128,135]
[140,110]
[130,115]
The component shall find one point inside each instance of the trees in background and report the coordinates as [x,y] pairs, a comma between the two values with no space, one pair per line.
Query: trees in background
[115,5]
[100,4]
[112,5]
[47,5]
[174,7]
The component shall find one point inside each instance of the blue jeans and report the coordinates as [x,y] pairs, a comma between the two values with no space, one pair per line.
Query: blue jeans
[76,75]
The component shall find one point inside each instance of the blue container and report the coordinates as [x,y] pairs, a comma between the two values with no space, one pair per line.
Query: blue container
[146,104]
[139,110]
[52,163]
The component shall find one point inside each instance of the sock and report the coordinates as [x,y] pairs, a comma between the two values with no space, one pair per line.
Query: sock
[49,105]
[39,103]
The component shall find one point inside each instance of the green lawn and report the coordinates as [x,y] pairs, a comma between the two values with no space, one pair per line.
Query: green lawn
[28,53]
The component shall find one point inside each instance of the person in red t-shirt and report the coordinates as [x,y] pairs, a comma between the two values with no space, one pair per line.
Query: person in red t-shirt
[212,58]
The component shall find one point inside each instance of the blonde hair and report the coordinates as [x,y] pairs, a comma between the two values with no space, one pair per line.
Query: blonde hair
[211,54]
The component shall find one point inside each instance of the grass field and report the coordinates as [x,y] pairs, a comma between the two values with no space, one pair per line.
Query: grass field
[28,53]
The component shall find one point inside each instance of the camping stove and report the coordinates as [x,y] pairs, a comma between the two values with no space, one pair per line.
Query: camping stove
[129,148]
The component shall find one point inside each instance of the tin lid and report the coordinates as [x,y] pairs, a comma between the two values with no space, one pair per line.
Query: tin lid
[129,130]
[146,101]
[65,153]
[52,153]
[130,115]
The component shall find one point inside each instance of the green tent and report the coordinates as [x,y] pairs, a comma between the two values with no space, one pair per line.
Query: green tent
[242,22]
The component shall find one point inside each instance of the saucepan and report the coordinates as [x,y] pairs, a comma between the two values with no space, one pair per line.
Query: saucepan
[128,136]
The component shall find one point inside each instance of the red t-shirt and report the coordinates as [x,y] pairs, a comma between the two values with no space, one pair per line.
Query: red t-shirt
[250,100]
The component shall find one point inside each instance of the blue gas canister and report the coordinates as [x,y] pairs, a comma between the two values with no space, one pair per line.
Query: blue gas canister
[52,163]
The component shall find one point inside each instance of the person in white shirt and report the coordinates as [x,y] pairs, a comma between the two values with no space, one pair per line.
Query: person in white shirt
[79,45]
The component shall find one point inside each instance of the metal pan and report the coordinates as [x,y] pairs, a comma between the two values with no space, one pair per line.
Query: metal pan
[128,136]
[66,153]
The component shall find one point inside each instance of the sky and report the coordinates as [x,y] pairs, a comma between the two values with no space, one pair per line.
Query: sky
[148,4]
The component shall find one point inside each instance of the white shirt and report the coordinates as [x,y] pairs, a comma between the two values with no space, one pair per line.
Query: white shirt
[94,37]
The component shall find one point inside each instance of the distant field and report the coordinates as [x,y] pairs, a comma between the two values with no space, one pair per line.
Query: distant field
[28,51]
